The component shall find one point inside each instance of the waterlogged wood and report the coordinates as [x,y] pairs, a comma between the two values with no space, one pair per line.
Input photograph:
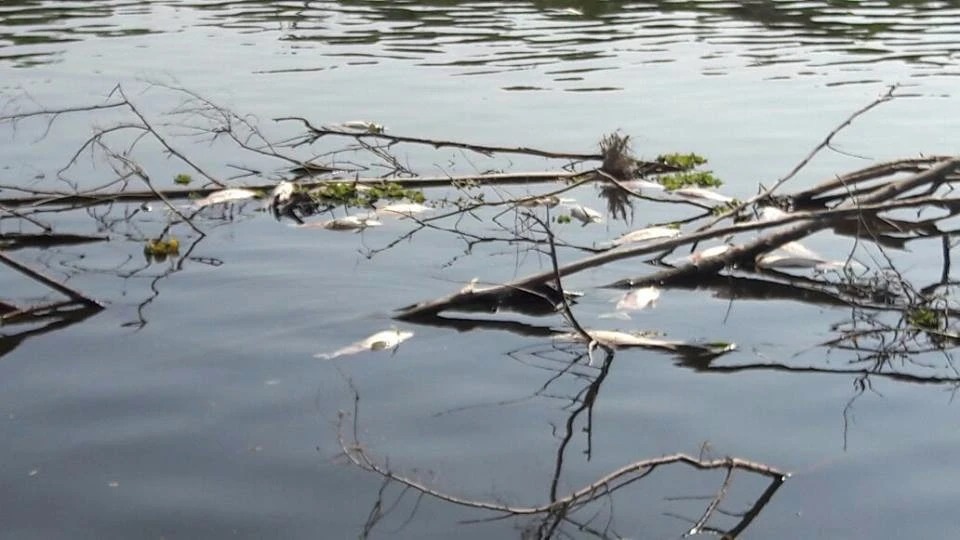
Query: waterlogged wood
[381,341]
[58,198]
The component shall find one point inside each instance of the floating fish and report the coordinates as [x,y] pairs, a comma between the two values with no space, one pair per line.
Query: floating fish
[347,223]
[617,339]
[404,209]
[225,196]
[638,299]
[585,214]
[796,255]
[702,194]
[770,213]
[280,194]
[567,11]
[649,233]
[640,185]
[698,256]
[363,125]
[381,341]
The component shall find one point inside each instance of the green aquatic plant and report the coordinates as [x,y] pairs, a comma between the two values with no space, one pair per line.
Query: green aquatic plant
[364,195]
[703,179]
[182,179]
[159,249]
[924,318]
[684,162]
[563,218]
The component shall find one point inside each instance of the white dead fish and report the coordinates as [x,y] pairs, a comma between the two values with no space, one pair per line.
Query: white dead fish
[702,194]
[363,125]
[649,233]
[281,193]
[640,185]
[585,214]
[387,339]
[225,196]
[770,213]
[698,256]
[404,209]
[796,255]
[568,11]
[346,223]
[638,299]
[617,339]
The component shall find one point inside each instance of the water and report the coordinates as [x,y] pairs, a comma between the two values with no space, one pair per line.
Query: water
[192,406]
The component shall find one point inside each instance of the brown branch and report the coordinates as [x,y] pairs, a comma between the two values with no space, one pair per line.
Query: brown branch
[436,143]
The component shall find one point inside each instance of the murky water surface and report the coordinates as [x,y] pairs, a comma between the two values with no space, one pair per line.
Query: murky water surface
[192,407]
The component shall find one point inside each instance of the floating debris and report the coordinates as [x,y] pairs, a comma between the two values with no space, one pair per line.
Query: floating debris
[771,213]
[640,185]
[649,233]
[225,196]
[387,339]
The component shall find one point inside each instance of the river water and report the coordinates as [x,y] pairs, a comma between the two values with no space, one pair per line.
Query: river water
[192,406]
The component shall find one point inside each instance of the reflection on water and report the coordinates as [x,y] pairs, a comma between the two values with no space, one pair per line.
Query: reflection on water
[566,40]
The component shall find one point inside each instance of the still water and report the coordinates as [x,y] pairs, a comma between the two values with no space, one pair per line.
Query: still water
[192,407]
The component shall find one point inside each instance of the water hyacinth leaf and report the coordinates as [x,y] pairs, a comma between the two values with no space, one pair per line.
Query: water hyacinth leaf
[381,341]
[225,196]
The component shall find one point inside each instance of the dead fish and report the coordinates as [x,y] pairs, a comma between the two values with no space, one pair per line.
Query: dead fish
[585,214]
[796,255]
[280,194]
[404,209]
[346,223]
[638,299]
[617,339]
[381,341]
[702,194]
[649,233]
[640,185]
[363,125]
[770,213]
[225,196]
[698,256]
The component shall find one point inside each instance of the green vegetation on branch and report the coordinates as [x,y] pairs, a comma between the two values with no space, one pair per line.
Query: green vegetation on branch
[362,195]
[684,162]
[703,179]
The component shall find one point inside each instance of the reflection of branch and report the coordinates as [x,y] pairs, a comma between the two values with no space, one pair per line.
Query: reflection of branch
[559,508]
[70,292]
